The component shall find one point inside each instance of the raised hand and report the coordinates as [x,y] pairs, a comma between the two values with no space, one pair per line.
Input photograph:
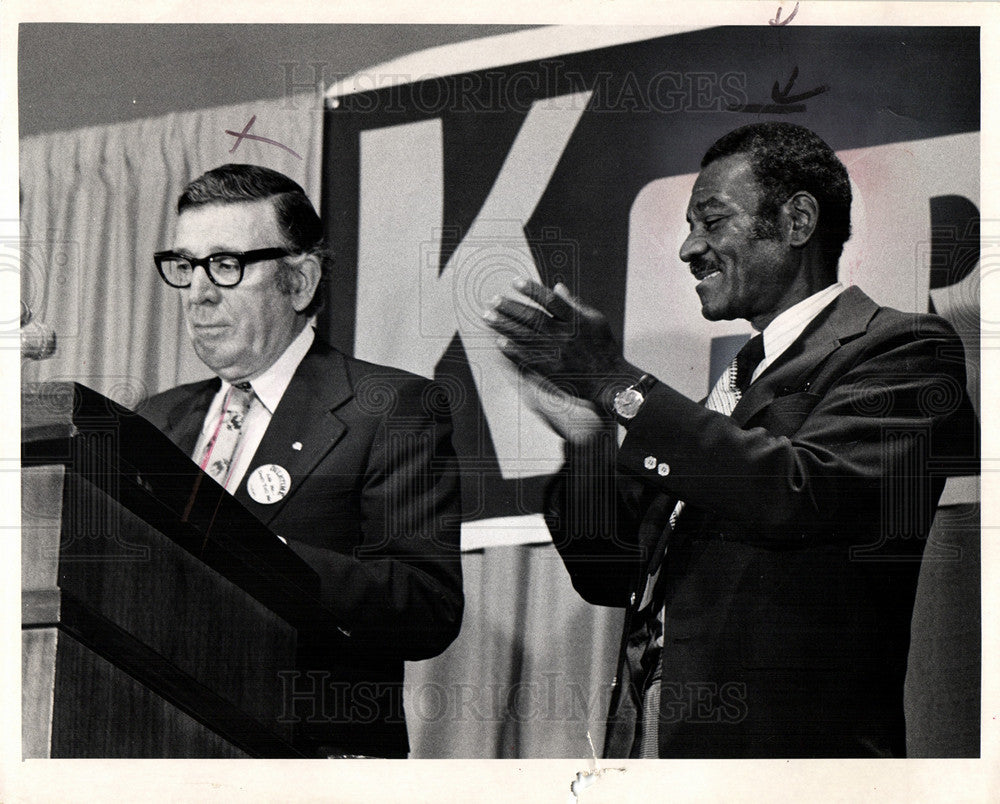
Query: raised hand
[562,340]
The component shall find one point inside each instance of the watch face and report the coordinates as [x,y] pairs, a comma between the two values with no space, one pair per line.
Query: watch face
[627,402]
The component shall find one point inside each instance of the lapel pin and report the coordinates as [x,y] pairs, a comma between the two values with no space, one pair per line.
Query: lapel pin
[297,445]
[269,483]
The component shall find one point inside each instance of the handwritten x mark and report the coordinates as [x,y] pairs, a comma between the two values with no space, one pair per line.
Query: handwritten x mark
[243,135]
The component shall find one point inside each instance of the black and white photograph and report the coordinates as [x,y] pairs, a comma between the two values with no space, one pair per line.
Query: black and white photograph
[570,390]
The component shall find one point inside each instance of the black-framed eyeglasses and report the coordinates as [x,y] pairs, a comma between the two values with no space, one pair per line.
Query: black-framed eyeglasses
[224,268]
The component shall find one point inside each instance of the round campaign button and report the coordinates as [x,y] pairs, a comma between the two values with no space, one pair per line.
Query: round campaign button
[268,483]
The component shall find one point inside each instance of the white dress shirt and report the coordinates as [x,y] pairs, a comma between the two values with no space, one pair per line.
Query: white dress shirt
[787,326]
[268,389]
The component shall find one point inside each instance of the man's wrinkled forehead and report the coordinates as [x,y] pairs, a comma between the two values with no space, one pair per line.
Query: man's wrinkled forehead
[258,208]
[228,226]
[258,212]
[726,184]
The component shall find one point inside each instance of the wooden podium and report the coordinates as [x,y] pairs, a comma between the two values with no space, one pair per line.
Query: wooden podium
[159,616]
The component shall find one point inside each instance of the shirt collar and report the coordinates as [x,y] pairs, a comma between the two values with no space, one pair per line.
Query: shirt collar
[788,325]
[270,385]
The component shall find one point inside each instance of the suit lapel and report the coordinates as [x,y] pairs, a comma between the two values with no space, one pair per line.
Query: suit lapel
[304,427]
[842,320]
[184,421]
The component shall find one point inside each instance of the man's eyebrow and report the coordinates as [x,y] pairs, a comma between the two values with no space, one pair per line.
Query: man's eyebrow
[186,252]
[712,202]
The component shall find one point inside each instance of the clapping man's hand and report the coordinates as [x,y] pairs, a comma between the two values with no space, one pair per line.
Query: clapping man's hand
[568,353]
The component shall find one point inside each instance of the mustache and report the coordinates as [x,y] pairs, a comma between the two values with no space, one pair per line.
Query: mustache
[701,265]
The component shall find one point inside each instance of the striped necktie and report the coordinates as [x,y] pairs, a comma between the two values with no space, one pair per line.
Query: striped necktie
[219,453]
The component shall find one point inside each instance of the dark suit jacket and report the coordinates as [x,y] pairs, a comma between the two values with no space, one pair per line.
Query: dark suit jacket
[374,508]
[789,580]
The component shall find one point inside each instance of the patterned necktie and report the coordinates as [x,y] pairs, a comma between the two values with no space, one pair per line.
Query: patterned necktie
[736,378]
[728,391]
[218,454]
[746,361]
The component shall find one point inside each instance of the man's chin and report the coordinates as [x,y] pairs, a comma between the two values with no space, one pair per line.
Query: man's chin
[713,302]
[215,359]
[716,313]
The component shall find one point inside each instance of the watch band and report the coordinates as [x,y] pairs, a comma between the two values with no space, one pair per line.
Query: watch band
[628,401]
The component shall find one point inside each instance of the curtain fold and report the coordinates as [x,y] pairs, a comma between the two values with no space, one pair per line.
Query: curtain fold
[97,202]
[529,673]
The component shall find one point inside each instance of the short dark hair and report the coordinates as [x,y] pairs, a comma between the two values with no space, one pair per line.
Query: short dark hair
[298,222]
[786,158]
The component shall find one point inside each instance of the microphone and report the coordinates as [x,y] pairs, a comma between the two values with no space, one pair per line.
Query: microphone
[38,340]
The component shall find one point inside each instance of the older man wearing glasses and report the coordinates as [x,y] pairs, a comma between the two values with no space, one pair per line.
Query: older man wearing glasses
[339,457]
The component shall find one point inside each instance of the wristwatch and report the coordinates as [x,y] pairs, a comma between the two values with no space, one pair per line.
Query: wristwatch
[629,400]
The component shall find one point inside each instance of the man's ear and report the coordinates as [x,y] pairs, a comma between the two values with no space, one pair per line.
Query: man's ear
[802,212]
[304,275]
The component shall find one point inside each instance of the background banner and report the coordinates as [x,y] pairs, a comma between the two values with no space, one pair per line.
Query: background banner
[440,189]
